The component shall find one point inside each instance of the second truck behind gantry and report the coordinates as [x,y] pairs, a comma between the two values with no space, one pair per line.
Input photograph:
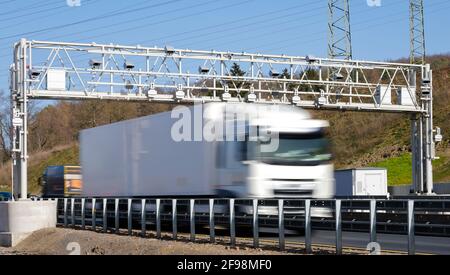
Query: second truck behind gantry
[61,181]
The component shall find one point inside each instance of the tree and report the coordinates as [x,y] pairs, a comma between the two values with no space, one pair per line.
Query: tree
[52,126]
[237,71]
[5,127]
[311,74]
[285,74]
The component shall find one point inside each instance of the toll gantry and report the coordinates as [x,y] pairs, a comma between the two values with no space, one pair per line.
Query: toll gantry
[81,71]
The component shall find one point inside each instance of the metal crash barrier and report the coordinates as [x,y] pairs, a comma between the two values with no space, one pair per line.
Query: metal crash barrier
[398,216]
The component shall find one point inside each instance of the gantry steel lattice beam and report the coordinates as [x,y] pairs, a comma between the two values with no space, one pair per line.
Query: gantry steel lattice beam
[339,32]
[79,71]
[417,32]
[93,71]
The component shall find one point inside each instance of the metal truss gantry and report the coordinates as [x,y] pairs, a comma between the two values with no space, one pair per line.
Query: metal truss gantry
[339,34]
[417,32]
[77,71]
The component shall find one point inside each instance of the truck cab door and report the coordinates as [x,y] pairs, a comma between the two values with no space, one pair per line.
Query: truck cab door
[231,172]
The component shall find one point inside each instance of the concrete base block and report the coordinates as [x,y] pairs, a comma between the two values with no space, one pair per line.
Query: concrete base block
[19,219]
[12,239]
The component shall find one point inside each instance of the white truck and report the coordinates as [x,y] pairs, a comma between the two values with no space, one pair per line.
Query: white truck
[210,150]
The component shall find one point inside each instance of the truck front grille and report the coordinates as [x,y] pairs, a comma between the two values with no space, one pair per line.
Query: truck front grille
[293,180]
[292,193]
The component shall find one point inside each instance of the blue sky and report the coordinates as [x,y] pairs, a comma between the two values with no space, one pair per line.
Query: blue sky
[293,27]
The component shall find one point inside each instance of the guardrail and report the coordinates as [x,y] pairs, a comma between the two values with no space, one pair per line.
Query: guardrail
[432,216]
[114,214]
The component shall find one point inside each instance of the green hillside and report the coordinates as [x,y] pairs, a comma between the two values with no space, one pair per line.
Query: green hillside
[399,169]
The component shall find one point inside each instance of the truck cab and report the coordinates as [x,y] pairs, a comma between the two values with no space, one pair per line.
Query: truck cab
[5,196]
[61,181]
[299,164]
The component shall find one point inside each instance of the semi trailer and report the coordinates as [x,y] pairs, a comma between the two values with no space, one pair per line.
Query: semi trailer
[211,150]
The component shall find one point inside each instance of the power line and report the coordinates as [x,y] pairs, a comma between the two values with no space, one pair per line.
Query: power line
[301,25]
[171,19]
[240,27]
[181,33]
[91,19]
[85,3]
[259,35]
[132,20]
[375,25]
[36,5]
[168,20]
[252,24]
[320,21]
[209,10]
[8,19]
[8,1]
[437,10]
[225,23]
[204,28]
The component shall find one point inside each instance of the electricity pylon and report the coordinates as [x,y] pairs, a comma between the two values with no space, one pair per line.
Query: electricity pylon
[417,32]
[339,34]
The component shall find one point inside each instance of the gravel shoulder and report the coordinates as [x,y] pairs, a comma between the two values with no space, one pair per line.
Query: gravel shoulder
[59,241]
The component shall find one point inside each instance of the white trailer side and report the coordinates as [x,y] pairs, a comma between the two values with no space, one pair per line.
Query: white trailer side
[138,157]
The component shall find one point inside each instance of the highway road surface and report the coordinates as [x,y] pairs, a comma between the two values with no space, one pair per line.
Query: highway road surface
[391,243]
[428,245]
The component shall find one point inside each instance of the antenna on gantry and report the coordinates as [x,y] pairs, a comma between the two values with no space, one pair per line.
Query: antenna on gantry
[339,34]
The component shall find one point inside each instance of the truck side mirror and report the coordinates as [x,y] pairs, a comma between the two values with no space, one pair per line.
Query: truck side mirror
[41,181]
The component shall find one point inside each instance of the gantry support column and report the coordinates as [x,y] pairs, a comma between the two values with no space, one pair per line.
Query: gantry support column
[417,156]
[423,138]
[429,153]
[416,142]
[19,122]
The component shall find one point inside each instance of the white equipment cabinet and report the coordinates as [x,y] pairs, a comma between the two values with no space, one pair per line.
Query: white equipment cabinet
[361,182]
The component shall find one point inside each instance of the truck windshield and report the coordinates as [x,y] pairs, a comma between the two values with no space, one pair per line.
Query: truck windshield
[299,149]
